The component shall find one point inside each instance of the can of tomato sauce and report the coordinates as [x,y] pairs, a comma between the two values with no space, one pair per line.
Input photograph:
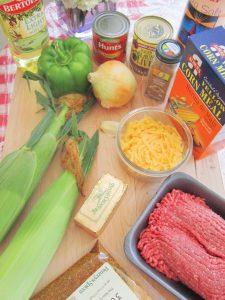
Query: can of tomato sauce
[148,32]
[110,33]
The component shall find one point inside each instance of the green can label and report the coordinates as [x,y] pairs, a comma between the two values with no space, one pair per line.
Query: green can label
[142,54]
[148,32]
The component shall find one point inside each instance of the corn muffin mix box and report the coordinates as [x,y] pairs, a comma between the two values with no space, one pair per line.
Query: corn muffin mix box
[198,92]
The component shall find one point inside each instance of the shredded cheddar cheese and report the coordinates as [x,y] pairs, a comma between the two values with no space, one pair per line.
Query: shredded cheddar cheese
[152,145]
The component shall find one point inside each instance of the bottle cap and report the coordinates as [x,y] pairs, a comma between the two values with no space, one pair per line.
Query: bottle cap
[169,51]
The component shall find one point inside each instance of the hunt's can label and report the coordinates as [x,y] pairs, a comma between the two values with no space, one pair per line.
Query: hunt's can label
[110,32]
[148,32]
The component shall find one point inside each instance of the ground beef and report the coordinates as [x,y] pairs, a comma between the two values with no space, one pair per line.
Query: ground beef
[185,240]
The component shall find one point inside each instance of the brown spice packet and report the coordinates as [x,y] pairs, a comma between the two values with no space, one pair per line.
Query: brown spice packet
[63,286]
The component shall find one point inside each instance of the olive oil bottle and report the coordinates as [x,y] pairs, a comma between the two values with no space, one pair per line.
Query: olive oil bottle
[24,24]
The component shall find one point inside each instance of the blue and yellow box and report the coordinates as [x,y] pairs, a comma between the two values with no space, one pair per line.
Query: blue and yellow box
[198,92]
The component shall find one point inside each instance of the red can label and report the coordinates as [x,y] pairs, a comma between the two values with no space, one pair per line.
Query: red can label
[105,49]
[18,6]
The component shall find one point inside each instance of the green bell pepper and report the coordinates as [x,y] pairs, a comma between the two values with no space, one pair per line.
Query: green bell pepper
[65,65]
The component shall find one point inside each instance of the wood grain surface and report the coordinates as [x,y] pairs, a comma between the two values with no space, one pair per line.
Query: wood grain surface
[23,117]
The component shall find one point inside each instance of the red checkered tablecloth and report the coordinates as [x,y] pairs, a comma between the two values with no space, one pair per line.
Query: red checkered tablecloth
[7,76]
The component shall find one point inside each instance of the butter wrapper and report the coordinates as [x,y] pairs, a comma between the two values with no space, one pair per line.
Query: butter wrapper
[100,205]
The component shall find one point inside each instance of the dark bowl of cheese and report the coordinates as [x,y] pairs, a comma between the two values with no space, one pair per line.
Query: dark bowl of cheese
[153,143]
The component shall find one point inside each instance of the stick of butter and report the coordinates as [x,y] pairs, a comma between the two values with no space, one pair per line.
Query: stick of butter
[99,206]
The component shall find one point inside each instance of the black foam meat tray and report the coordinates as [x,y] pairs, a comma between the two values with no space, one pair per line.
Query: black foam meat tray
[187,184]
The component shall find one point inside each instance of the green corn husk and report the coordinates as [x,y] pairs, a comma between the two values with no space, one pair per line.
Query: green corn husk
[21,171]
[25,259]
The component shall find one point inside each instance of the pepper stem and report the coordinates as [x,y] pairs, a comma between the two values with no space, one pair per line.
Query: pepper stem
[62,57]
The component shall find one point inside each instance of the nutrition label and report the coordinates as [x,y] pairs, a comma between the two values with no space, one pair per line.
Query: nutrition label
[104,284]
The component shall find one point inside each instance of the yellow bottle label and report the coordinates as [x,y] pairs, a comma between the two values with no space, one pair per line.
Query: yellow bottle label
[24,24]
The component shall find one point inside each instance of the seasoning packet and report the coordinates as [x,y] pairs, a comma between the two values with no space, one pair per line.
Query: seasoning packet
[95,276]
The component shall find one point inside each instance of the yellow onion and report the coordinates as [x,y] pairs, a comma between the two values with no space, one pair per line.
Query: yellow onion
[113,84]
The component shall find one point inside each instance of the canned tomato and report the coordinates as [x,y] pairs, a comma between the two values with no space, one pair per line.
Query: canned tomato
[110,32]
[148,32]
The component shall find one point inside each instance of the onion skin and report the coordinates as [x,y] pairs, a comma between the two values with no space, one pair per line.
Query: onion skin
[113,84]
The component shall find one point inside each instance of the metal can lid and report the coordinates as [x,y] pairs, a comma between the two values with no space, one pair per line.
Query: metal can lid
[153,29]
[111,24]
[169,51]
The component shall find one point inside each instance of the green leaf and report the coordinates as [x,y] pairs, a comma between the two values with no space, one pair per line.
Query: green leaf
[87,107]
[83,145]
[28,82]
[42,100]
[68,126]
[87,162]
[14,188]
[48,91]
[74,129]
[44,84]
[32,76]
[66,129]
[40,129]
[7,161]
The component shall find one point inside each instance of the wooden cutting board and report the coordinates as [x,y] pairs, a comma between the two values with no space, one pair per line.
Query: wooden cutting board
[23,117]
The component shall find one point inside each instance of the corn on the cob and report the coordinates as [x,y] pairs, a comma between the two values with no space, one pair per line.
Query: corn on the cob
[21,171]
[30,251]
[187,115]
